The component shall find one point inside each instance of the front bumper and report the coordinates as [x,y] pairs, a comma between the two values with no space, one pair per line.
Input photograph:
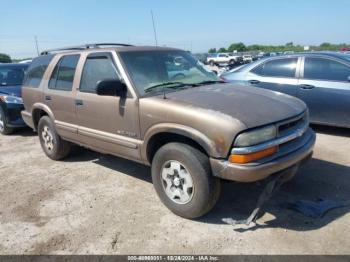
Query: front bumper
[13,115]
[289,155]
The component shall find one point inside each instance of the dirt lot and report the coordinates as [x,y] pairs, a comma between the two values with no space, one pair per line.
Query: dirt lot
[92,203]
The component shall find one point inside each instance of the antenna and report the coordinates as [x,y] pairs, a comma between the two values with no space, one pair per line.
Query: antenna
[154,29]
[36,44]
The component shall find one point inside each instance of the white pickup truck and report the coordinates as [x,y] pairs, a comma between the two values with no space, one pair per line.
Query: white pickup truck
[223,58]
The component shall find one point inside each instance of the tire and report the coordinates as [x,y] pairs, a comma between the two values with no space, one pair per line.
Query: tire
[205,191]
[211,63]
[231,62]
[4,128]
[52,144]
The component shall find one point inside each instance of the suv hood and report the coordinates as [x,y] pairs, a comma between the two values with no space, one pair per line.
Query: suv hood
[11,90]
[250,105]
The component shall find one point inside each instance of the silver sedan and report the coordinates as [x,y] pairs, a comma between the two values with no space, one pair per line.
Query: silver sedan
[320,79]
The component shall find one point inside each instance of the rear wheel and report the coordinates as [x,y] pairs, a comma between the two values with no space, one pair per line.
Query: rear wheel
[53,145]
[4,129]
[211,62]
[182,178]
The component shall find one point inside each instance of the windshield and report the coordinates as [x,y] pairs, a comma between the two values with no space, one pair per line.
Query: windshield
[11,76]
[154,71]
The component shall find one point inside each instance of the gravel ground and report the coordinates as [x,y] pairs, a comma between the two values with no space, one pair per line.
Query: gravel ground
[98,204]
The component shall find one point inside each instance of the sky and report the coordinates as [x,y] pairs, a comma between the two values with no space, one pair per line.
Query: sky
[187,24]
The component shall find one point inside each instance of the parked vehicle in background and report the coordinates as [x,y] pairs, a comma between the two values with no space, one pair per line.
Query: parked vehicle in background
[321,80]
[202,58]
[238,59]
[121,100]
[223,58]
[11,105]
[247,59]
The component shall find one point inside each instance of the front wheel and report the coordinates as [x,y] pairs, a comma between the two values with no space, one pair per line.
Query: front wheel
[182,178]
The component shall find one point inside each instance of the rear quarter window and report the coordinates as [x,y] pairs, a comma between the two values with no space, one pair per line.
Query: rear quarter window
[36,71]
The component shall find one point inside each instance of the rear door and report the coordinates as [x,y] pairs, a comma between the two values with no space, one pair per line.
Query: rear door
[279,74]
[109,124]
[325,88]
[59,95]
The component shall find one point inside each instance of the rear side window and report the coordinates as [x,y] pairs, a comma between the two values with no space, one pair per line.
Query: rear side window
[36,71]
[277,68]
[63,75]
[325,69]
[97,68]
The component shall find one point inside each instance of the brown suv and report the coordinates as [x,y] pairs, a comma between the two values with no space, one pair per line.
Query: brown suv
[161,107]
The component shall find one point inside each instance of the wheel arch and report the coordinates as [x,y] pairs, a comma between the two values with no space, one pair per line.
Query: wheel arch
[38,111]
[161,134]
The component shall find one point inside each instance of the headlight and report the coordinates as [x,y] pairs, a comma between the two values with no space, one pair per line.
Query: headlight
[256,136]
[11,99]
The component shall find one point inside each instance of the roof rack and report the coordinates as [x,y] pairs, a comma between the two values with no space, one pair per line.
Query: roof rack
[82,47]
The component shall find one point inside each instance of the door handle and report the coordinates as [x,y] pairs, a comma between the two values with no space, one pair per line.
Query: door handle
[79,102]
[307,86]
[48,98]
[254,82]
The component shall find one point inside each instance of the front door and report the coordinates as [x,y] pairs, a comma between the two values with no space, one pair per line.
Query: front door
[277,74]
[108,124]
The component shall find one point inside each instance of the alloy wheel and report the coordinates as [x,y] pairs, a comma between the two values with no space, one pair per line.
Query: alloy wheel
[47,136]
[177,182]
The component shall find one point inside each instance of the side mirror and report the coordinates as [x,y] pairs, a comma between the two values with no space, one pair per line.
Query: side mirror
[111,87]
[348,78]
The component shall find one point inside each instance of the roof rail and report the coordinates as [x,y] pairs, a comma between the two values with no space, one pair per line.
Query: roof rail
[81,47]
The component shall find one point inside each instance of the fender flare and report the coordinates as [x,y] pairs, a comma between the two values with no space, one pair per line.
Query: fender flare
[44,108]
[189,132]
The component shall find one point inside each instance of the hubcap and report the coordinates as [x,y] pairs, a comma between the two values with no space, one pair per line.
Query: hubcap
[1,123]
[177,182]
[47,137]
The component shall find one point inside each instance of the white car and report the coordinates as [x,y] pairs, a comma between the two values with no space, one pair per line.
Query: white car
[247,59]
[222,58]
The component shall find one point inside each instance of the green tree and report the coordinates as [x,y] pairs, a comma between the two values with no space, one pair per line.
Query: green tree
[240,47]
[255,48]
[5,58]
[222,50]
[212,50]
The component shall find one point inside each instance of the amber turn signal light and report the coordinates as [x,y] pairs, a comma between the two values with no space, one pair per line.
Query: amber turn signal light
[243,159]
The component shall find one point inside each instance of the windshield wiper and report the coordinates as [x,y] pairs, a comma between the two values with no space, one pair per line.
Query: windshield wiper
[165,84]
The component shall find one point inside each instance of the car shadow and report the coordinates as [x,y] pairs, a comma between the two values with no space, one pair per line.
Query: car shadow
[24,132]
[317,179]
[331,130]
[124,166]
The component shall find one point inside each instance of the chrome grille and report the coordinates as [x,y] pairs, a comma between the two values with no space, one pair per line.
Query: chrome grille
[289,126]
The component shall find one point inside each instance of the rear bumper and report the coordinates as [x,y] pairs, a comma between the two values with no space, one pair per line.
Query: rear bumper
[294,155]
[27,118]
